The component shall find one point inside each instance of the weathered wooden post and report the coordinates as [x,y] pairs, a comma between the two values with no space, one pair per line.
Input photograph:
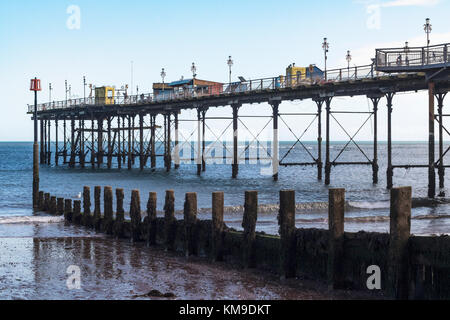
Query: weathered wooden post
[336,208]
[135,215]
[217,226]
[286,221]
[120,214]
[60,206]
[68,209]
[190,223]
[400,230]
[46,202]
[249,225]
[86,218]
[108,210]
[169,220]
[53,205]
[76,217]
[41,201]
[97,211]
[151,218]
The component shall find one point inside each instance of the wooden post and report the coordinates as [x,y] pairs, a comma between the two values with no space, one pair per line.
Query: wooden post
[108,209]
[86,206]
[76,211]
[336,208]
[97,211]
[286,221]
[400,228]
[46,202]
[169,220]
[120,214]
[217,226]
[190,223]
[60,206]
[135,215]
[53,205]
[68,209]
[41,203]
[249,225]
[151,218]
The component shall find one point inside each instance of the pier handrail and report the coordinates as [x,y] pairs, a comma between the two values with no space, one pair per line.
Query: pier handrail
[271,83]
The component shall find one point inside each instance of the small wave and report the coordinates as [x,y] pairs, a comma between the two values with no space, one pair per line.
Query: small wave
[368,205]
[30,219]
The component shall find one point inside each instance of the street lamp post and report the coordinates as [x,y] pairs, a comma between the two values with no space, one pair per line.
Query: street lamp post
[194,70]
[325,47]
[163,75]
[35,86]
[50,92]
[406,48]
[230,64]
[66,91]
[84,89]
[427,28]
[348,57]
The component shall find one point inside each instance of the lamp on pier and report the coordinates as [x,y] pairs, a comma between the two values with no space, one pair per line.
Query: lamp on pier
[348,57]
[163,75]
[230,64]
[325,47]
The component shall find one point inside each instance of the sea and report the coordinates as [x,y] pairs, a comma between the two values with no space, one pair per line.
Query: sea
[36,249]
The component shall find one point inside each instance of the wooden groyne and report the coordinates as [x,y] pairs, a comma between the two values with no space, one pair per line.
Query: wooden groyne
[410,267]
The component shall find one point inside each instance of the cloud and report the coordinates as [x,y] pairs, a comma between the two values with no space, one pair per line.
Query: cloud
[407,3]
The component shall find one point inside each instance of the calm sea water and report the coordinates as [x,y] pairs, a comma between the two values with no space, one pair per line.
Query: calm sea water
[36,249]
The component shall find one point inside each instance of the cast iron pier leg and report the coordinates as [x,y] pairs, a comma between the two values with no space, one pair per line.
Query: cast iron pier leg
[431,172]
[390,170]
[235,165]
[327,151]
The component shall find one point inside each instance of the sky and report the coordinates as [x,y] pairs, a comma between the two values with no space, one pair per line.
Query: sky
[66,40]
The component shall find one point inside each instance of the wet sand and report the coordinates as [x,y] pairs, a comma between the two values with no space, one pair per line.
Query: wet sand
[36,268]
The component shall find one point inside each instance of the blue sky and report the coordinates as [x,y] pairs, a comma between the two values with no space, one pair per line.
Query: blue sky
[262,36]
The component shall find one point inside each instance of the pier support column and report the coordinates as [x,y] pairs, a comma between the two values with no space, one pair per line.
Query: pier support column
[441,170]
[72,143]
[65,142]
[44,155]
[49,139]
[92,142]
[235,165]
[99,142]
[133,140]
[431,172]
[400,228]
[275,147]
[169,144]
[327,150]
[129,143]
[124,154]
[375,100]
[199,143]
[119,149]
[141,142]
[177,142]
[390,170]
[153,141]
[319,103]
[82,154]
[110,147]
[41,145]
[56,142]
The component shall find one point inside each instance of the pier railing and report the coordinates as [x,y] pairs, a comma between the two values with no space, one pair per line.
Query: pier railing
[273,83]
[409,57]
